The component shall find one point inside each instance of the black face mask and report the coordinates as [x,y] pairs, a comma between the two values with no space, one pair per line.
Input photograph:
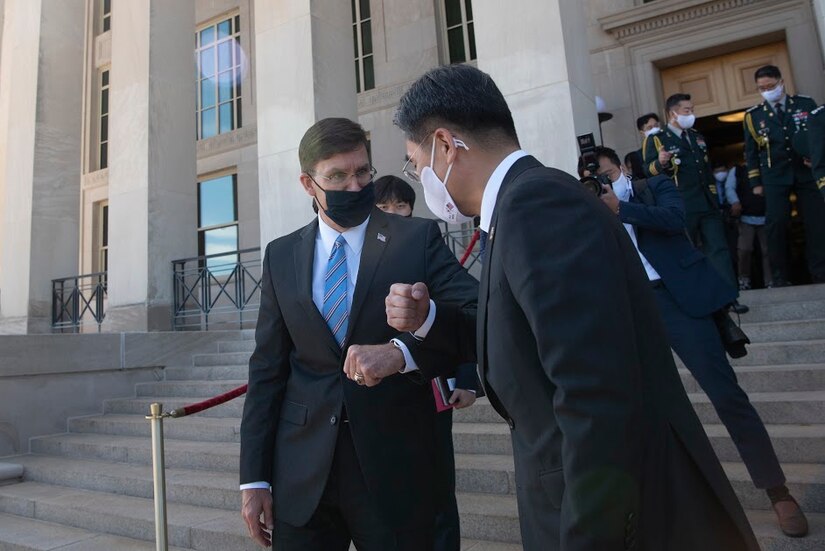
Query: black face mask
[349,208]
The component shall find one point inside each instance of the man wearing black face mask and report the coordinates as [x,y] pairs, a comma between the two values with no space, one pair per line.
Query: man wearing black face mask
[347,460]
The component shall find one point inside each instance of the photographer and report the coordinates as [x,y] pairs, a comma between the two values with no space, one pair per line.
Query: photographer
[690,292]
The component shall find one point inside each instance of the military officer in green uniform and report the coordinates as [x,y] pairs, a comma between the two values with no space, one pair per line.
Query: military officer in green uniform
[776,168]
[816,146]
[682,153]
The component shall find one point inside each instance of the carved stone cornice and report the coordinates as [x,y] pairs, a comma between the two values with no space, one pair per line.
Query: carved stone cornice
[654,17]
[98,178]
[379,99]
[244,136]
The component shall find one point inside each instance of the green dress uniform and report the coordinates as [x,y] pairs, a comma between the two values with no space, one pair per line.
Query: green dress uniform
[816,146]
[691,171]
[774,163]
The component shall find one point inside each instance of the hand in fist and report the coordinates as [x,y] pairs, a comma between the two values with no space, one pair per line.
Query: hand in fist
[407,306]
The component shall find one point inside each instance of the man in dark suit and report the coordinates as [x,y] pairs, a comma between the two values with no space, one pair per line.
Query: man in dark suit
[690,292]
[609,453]
[776,169]
[816,146]
[346,462]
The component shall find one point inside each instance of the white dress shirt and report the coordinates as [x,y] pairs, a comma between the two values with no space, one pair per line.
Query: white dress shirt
[354,237]
[488,199]
[624,191]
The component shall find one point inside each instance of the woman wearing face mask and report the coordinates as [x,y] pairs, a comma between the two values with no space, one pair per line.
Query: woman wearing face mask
[682,153]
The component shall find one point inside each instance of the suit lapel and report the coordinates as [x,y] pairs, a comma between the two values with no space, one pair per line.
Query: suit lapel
[375,242]
[304,256]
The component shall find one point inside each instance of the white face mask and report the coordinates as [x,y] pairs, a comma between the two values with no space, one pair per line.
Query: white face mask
[686,121]
[435,191]
[652,131]
[721,176]
[775,95]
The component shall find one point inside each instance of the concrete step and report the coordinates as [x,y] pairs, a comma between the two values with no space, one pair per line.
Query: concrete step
[191,527]
[187,389]
[495,474]
[771,538]
[216,489]
[140,406]
[226,358]
[27,534]
[207,373]
[793,443]
[180,454]
[784,353]
[780,331]
[779,408]
[779,378]
[204,429]
[784,311]
[782,295]
[237,346]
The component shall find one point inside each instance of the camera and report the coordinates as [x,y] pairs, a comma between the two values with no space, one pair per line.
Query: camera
[589,162]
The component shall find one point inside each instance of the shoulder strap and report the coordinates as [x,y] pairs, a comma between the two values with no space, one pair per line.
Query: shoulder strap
[642,191]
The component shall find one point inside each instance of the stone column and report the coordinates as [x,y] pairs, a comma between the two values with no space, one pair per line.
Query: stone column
[305,72]
[819,15]
[152,176]
[538,54]
[41,82]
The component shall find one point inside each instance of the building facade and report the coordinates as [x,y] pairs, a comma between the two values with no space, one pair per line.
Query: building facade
[134,133]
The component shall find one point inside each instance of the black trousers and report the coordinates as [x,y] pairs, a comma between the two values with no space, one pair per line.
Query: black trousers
[447,530]
[707,231]
[347,514]
[778,216]
[696,341]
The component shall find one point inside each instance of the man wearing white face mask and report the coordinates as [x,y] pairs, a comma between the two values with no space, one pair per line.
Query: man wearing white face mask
[681,152]
[776,168]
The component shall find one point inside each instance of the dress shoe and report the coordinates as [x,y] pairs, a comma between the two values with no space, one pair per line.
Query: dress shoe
[792,520]
[739,308]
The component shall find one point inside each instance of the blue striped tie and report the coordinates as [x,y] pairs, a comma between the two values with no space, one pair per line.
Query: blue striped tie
[336,307]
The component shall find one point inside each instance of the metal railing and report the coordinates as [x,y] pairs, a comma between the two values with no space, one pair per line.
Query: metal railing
[78,300]
[219,290]
[458,240]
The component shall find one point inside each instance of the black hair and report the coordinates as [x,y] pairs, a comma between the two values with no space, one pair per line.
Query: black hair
[642,121]
[392,188]
[634,161]
[610,154]
[675,100]
[770,71]
[461,98]
[718,164]
[327,138]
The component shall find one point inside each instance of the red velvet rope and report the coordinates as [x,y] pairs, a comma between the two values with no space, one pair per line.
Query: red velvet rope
[241,390]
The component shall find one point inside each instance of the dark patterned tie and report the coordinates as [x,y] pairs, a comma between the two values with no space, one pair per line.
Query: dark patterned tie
[780,113]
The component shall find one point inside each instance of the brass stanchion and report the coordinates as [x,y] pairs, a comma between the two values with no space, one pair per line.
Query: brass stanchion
[159,476]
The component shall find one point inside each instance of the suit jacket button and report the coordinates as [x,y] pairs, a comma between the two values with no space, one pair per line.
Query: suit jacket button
[511,424]
[333,420]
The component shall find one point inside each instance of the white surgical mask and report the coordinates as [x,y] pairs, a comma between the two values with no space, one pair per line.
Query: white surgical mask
[775,95]
[652,131]
[721,176]
[435,191]
[686,121]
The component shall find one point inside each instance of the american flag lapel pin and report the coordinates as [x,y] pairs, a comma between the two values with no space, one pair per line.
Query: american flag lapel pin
[382,238]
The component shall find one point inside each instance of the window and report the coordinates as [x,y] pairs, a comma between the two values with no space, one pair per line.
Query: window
[106,12]
[218,52]
[103,239]
[103,139]
[461,38]
[362,40]
[218,222]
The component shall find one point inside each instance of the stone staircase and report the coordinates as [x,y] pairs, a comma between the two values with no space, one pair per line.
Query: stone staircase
[91,488]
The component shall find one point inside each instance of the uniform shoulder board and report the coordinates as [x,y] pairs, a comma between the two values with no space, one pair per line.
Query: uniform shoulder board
[818,109]
[754,108]
[804,96]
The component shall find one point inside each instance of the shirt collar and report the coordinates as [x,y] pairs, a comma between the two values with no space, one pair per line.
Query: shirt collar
[353,236]
[488,200]
[677,131]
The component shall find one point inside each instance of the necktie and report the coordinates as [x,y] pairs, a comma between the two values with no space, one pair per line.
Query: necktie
[780,113]
[336,309]
[686,140]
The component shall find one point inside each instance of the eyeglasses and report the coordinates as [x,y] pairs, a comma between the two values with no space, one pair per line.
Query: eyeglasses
[770,87]
[410,171]
[339,179]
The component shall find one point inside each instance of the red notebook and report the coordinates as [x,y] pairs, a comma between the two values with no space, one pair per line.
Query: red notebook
[442,391]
